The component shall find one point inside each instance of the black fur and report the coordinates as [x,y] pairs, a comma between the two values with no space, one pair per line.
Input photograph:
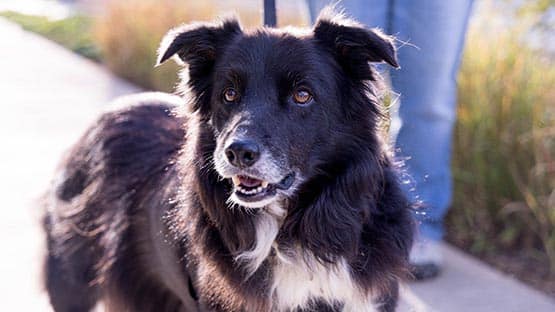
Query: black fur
[138,216]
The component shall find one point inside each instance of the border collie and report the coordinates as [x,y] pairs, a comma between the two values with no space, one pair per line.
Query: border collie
[270,191]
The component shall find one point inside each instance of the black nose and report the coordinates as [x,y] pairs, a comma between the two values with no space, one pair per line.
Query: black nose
[242,153]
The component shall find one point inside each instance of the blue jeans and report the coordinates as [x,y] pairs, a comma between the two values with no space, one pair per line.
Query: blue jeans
[427,86]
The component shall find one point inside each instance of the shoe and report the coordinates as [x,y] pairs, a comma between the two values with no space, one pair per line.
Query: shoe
[425,259]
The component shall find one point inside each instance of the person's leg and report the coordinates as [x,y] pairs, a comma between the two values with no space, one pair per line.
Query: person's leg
[372,13]
[427,86]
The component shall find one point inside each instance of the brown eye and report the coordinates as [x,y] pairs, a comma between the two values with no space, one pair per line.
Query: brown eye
[230,95]
[302,96]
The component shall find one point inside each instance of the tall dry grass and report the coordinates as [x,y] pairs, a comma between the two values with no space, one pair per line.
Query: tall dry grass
[129,32]
[504,153]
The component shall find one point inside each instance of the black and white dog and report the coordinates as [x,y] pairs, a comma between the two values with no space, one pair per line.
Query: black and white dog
[273,192]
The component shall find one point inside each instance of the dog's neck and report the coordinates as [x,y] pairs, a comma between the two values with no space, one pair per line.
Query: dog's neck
[268,223]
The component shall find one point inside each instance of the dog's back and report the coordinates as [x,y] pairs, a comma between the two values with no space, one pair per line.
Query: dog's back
[101,235]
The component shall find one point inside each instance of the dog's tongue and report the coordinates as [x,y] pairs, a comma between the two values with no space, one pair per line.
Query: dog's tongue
[249,182]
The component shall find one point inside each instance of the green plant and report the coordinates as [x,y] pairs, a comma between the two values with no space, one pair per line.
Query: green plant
[73,32]
[504,153]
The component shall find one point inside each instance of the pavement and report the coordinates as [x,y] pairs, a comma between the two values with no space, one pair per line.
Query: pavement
[467,284]
[48,97]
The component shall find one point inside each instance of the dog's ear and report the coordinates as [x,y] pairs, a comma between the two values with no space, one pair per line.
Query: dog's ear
[352,44]
[197,45]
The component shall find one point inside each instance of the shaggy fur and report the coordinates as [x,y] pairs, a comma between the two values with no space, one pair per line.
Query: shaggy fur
[143,215]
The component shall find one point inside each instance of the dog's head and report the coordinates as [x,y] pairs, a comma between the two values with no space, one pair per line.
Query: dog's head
[280,102]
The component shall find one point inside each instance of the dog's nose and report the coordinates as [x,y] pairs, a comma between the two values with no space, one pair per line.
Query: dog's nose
[242,153]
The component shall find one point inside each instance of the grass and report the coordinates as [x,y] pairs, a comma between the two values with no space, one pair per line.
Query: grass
[504,153]
[130,32]
[73,32]
[129,35]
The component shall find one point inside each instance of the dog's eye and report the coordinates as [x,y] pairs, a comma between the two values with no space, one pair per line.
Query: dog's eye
[302,96]
[230,95]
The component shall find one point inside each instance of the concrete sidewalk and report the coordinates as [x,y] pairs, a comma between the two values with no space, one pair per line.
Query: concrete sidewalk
[467,284]
[48,97]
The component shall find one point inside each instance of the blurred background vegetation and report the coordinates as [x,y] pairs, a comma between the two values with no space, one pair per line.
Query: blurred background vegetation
[73,32]
[504,150]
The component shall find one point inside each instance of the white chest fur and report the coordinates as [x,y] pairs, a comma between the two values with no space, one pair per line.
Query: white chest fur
[297,282]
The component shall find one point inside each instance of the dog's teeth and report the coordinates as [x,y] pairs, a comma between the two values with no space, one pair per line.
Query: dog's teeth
[251,191]
[236,180]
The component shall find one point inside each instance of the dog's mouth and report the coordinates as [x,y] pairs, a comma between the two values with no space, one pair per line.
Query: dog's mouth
[252,190]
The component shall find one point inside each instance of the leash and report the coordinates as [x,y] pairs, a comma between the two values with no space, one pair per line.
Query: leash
[270,18]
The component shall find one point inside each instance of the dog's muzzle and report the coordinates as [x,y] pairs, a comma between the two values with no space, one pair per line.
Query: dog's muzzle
[257,176]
